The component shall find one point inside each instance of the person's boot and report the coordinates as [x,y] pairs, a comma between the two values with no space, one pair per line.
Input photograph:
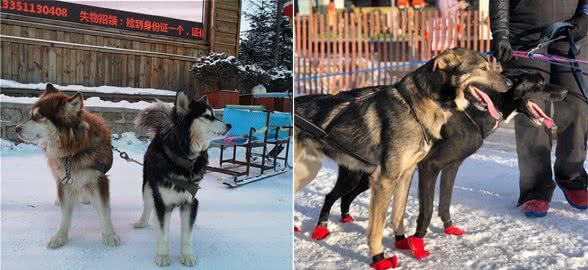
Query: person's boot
[535,208]
[575,191]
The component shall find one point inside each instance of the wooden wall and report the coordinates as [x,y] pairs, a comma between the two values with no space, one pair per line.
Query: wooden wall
[37,50]
[225,31]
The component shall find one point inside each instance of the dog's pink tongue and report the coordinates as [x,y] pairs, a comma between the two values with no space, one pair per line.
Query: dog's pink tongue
[491,109]
[547,121]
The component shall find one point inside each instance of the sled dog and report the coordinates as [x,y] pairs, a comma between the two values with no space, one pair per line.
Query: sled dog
[77,145]
[174,165]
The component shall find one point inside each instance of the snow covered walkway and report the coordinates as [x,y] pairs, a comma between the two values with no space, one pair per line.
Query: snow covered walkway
[498,235]
[245,228]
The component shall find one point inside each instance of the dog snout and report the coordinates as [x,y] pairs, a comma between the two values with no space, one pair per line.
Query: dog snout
[18,129]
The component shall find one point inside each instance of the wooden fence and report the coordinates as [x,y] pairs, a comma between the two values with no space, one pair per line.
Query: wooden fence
[339,51]
[37,50]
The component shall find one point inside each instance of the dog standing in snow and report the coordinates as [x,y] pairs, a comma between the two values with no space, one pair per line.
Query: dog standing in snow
[77,145]
[174,165]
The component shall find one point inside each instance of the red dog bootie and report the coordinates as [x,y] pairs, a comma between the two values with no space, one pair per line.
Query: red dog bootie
[296,229]
[417,247]
[346,218]
[320,232]
[401,242]
[382,263]
[535,208]
[452,230]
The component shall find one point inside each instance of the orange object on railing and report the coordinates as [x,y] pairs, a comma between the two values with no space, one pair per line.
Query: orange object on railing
[418,3]
[402,3]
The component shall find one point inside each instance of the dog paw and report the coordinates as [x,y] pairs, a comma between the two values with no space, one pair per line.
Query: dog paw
[188,260]
[111,240]
[57,241]
[139,225]
[162,260]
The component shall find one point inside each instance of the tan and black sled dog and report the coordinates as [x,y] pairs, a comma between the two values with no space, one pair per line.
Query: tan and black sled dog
[77,145]
[392,128]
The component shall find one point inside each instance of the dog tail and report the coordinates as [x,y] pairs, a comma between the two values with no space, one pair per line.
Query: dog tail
[154,118]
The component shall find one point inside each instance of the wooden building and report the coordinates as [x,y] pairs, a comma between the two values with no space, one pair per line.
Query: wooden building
[73,44]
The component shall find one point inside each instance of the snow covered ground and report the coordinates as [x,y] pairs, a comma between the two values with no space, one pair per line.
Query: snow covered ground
[245,228]
[498,235]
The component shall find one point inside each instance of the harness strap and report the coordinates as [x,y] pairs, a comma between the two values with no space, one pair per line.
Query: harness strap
[575,67]
[191,187]
[319,133]
[426,136]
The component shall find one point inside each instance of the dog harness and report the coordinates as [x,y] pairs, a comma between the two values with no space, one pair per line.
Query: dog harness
[188,164]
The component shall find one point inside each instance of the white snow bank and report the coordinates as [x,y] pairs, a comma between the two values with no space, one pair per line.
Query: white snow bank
[81,88]
[88,102]
[10,148]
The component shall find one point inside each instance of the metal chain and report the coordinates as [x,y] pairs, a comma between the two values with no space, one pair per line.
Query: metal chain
[125,156]
[67,179]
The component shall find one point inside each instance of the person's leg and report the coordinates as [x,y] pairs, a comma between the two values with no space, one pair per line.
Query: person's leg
[533,146]
[571,118]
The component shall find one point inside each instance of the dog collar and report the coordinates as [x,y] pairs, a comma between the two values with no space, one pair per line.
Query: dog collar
[480,131]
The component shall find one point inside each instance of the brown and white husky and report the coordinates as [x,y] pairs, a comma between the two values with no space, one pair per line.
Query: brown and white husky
[77,145]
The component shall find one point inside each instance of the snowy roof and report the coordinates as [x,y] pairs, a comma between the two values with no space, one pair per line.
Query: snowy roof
[88,102]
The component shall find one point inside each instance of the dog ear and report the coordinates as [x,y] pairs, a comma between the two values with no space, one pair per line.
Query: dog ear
[49,88]
[447,60]
[182,103]
[75,103]
[204,99]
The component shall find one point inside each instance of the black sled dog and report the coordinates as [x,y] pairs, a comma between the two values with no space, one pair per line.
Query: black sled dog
[174,165]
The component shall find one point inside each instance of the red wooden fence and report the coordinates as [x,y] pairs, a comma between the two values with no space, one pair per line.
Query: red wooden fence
[340,51]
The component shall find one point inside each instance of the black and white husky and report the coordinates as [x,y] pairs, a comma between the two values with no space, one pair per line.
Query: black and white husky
[174,165]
